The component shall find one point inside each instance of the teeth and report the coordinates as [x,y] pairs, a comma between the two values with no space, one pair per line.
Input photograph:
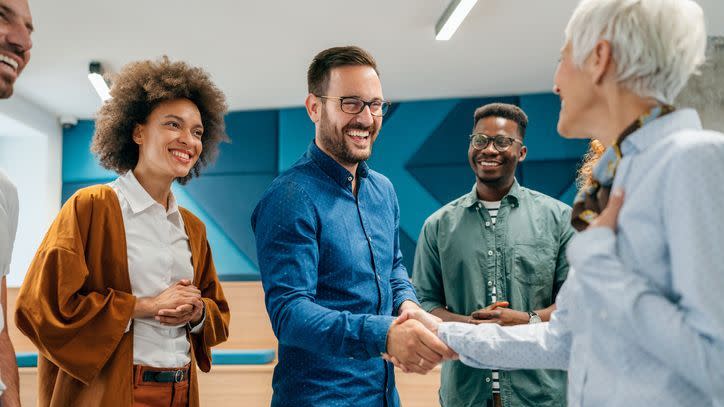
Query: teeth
[488,163]
[359,133]
[180,154]
[9,61]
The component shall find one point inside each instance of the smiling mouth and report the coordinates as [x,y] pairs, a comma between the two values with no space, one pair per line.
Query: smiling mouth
[488,163]
[183,156]
[9,62]
[358,135]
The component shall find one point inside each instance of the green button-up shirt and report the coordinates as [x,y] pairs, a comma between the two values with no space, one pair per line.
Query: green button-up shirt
[461,254]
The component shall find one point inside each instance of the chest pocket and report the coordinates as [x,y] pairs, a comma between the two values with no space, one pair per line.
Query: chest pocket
[534,264]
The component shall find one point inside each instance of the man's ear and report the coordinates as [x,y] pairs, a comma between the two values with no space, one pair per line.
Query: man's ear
[314,107]
[523,153]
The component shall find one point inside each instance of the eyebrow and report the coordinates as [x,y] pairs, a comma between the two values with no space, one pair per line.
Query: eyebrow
[179,118]
[10,12]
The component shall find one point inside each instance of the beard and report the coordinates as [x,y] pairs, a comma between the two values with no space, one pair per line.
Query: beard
[335,141]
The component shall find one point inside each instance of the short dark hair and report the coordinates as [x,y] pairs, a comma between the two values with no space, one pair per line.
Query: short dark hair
[504,110]
[138,89]
[325,61]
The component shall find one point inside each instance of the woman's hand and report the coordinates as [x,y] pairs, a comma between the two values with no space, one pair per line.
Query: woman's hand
[178,302]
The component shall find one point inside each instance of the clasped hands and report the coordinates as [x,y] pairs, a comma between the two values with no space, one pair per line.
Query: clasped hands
[412,342]
[177,305]
[498,313]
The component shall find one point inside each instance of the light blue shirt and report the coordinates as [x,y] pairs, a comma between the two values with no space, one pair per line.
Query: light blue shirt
[640,319]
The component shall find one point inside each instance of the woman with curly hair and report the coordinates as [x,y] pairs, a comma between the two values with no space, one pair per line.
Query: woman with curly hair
[122,298]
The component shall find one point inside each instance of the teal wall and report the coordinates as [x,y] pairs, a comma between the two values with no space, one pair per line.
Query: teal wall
[422,148]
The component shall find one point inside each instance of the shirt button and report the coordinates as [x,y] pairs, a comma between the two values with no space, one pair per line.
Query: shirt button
[490,252]
[487,380]
[490,283]
[349,179]
[487,224]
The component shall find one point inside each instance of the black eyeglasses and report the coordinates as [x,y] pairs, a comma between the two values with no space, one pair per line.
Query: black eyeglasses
[501,143]
[355,105]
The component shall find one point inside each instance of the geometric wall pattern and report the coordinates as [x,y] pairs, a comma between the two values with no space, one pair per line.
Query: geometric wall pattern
[422,148]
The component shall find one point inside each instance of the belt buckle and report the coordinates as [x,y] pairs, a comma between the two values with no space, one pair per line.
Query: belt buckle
[178,376]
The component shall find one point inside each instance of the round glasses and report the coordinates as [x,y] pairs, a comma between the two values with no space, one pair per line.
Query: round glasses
[355,105]
[500,143]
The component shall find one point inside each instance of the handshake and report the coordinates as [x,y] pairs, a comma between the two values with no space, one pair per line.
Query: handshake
[412,342]
[177,305]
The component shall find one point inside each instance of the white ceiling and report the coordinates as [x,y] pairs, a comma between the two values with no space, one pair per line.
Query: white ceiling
[258,51]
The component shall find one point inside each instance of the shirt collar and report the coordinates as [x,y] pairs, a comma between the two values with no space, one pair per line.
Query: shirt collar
[138,198]
[512,196]
[655,130]
[332,168]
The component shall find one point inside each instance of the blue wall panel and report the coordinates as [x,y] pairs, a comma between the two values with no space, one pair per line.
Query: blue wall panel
[79,165]
[253,147]
[230,262]
[230,200]
[542,138]
[69,188]
[552,178]
[445,182]
[296,131]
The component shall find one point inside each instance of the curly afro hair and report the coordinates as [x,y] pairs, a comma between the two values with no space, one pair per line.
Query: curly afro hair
[136,91]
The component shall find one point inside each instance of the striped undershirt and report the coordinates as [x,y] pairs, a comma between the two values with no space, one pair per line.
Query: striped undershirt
[493,208]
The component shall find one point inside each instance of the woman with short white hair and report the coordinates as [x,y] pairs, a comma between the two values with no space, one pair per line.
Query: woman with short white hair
[640,322]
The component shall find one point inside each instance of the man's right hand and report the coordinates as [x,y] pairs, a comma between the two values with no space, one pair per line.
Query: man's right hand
[414,347]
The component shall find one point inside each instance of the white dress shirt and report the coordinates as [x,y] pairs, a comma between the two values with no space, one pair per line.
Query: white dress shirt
[8,228]
[158,256]
[640,319]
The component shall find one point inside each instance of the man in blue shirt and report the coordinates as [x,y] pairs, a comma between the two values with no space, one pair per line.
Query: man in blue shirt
[327,233]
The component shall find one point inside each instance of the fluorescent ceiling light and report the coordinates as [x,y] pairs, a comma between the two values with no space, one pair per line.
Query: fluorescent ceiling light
[98,82]
[452,18]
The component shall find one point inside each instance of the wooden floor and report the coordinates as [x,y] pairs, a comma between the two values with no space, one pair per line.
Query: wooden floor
[249,385]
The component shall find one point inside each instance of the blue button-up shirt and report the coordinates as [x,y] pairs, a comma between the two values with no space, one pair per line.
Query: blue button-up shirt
[332,273]
[640,319]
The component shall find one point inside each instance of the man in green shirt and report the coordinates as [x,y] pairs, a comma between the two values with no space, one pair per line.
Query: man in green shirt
[495,255]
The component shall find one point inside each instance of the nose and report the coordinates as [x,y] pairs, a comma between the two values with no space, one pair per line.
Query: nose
[365,116]
[556,89]
[186,137]
[490,149]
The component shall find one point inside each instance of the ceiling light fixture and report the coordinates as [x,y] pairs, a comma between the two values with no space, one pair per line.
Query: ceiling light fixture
[451,19]
[95,76]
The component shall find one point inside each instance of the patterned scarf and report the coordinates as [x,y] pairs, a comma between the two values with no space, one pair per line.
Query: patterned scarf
[591,200]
